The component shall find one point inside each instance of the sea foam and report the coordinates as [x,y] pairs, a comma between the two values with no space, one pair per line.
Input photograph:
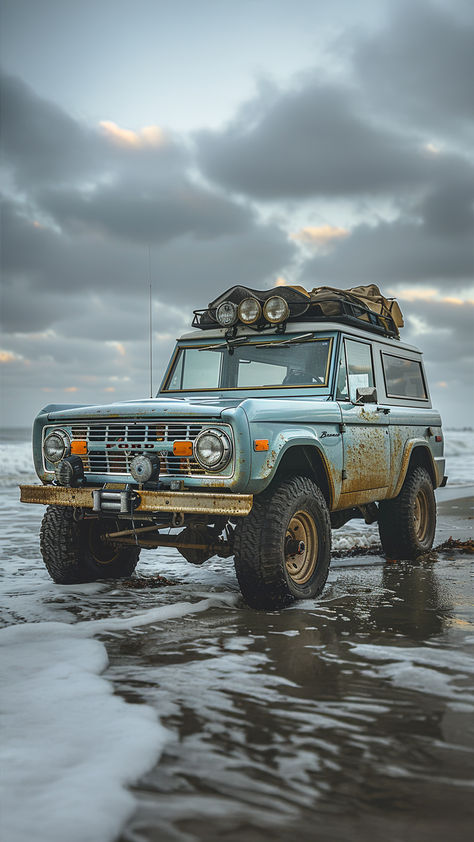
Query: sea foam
[16,459]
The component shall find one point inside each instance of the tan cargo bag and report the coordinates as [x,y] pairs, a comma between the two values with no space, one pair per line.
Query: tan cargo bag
[369,296]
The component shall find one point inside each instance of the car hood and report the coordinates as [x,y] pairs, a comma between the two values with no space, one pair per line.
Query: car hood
[151,408]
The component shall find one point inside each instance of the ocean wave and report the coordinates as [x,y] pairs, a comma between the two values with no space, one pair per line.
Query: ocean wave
[458,443]
[16,460]
[16,463]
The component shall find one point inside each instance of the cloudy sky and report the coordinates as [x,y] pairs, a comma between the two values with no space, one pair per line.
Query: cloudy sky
[258,142]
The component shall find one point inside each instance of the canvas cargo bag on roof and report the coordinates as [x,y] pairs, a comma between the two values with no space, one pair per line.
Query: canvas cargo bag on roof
[368,296]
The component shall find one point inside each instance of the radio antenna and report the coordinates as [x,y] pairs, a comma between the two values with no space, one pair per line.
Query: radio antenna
[151,320]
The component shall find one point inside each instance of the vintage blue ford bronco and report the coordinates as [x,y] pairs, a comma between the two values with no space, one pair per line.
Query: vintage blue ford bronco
[284,414]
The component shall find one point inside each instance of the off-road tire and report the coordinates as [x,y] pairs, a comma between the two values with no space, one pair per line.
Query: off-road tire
[407,524]
[261,540]
[73,553]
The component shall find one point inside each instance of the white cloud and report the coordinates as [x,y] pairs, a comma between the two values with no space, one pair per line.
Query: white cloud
[7,357]
[146,136]
[319,236]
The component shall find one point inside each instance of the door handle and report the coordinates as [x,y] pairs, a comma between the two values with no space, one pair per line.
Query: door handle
[384,409]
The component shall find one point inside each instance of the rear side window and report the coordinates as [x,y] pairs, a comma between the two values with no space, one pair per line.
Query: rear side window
[403,378]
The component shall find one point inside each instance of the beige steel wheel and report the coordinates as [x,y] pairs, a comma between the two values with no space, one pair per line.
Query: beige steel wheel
[301,547]
[421,515]
[283,547]
[407,523]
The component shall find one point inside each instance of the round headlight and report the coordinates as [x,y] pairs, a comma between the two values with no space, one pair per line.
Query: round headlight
[226,314]
[145,467]
[213,450]
[276,309]
[56,445]
[249,310]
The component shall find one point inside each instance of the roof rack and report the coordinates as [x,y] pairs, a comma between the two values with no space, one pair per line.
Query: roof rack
[362,307]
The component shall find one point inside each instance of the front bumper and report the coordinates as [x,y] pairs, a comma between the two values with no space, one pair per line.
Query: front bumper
[187,502]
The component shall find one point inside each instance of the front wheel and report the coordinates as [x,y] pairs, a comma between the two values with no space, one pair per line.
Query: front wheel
[283,547]
[73,551]
[407,524]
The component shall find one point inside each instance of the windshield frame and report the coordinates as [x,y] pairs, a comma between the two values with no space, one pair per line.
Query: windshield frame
[181,346]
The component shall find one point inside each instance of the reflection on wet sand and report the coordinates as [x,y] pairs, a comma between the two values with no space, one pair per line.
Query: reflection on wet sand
[416,607]
[309,722]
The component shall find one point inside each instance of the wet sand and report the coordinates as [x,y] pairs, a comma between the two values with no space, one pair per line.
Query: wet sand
[344,717]
[347,716]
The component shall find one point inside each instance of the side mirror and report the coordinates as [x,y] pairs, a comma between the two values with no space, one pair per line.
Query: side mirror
[366,394]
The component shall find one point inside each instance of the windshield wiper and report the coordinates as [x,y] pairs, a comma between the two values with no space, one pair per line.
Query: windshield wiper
[281,342]
[229,344]
[244,340]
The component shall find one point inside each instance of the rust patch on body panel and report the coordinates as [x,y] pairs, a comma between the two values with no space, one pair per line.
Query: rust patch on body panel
[368,415]
[358,498]
[187,502]
[366,460]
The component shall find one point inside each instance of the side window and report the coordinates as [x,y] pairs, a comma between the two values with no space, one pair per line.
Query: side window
[359,366]
[403,378]
[176,381]
[342,391]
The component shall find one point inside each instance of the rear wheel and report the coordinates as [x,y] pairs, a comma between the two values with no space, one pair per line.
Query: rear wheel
[74,552]
[283,547]
[407,524]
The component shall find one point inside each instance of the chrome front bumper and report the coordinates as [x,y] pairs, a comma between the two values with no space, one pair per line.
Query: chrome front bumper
[187,502]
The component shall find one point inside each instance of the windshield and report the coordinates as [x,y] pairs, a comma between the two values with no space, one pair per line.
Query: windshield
[251,365]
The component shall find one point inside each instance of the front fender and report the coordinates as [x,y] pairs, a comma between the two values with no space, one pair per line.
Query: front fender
[265,464]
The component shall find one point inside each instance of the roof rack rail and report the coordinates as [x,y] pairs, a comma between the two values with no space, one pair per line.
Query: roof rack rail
[362,307]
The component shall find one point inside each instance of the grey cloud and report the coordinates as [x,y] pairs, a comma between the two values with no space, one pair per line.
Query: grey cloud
[447,336]
[448,349]
[312,140]
[421,65]
[431,240]
[51,276]
[66,239]
[322,138]
[392,252]
[93,360]
[44,145]
[152,212]
[40,140]
[448,208]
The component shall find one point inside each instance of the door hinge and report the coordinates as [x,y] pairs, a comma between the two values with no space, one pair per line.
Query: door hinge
[342,427]
[344,475]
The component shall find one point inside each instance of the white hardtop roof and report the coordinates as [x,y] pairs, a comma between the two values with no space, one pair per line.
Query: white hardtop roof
[300,327]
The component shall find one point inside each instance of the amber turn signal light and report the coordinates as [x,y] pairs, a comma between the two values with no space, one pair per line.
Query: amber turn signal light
[260,444]
[183,448]
[78,448]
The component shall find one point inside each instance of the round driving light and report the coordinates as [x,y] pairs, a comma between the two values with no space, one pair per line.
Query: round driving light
[145,467]
[226,314]
[56,445]
[276,309]
[213,450]
[249,310]
[69,471]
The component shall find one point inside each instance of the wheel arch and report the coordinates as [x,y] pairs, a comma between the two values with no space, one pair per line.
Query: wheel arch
[417,454]
[305,460]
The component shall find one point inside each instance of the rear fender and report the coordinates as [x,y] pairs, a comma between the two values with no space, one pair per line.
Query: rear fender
[416,453]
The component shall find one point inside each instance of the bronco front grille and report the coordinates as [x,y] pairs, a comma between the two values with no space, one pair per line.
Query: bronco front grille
[108,451]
